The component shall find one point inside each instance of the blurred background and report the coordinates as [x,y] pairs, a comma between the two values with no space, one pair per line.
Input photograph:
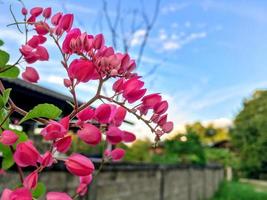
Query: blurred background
[206,57]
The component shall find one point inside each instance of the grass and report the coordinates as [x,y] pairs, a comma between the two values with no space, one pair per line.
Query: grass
[240,191]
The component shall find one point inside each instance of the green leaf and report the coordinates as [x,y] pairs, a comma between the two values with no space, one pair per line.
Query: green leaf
[39,190]
[11,72]
[3,114]
[6,94]
[1,43]
[22,135]
[42,110]
[4,58]
[7,161]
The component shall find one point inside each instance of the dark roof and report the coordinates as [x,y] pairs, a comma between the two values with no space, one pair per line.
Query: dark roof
[37,88]
[27,95]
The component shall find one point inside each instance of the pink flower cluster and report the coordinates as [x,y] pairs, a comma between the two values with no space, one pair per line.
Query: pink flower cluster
[85,58]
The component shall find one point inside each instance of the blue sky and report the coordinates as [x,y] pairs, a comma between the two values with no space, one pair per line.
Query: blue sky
[211,54]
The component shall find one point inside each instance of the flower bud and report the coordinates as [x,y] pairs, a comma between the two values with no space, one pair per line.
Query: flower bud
[56,18]
[26,154]
[66,22]
[90,134]
[167,127]
[20,193]
[128,136]
[161,107]
[24,11]
[53,131]
[62,145]
[103,113]
[98,41]
[117,154]
[30,75]
[36,11]
[151,100]
[47,159]
[30,182]
[114,135]
[47,12]
[67,82]
[6,194]
[86,114]
[79,165]
[8,137]
[57,196]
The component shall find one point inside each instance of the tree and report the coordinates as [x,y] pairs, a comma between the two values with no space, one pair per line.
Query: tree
[249,135]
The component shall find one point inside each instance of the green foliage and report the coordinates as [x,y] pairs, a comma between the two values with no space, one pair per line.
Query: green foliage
[1,43]
[249,136]
[239,191]
[222,156]
[4,58]
[42,110]
[185,149]
[7,71]
[140,151]
[10,72]
[7,161]
[39,190]
[208,135]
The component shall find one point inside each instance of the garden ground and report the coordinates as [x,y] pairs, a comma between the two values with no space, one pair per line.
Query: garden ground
[243,190]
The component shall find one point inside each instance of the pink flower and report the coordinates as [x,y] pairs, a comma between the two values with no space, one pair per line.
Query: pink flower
[167,127]
[65,122]
[71,36]
[162,120]
[161,107]
[132,90]
[34,41]
[79,165]
[21,193]
[53,131]
[128,136]
[66,22]
[36,11]
[42,53]
[47,159]
[117,154]
[30,182]
[82,189]
[114,135]
[57,196]
[86,179]
[47,12]
[6,194]
[99,41]
[118,85]
[151,100]
[30,75]
[103,113]
[56,18]
[119,116]
[83,186]
[42,28]
[8,137]
[86,114]
[90,134]
[81,69]
[62,145]
[26,154]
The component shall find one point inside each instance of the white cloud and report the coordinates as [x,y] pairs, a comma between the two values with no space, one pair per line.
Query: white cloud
[174,7]
[175,41]
[138,37]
